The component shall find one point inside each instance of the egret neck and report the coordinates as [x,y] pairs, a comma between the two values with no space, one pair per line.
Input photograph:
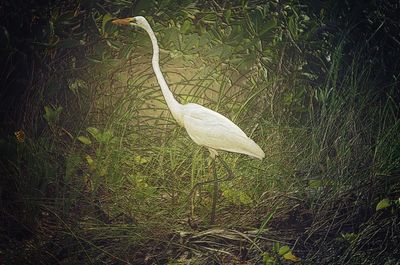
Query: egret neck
[174,106]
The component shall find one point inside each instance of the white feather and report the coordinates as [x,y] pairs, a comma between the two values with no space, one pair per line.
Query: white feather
[206,127]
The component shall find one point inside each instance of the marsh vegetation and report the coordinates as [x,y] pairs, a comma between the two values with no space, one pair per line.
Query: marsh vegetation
[94,169]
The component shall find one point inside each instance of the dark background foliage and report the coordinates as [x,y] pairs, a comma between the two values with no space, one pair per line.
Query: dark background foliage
[89,173]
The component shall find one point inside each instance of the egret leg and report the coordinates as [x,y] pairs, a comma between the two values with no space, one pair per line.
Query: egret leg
[229,177]
[215,193]
[227,168]
[215,181]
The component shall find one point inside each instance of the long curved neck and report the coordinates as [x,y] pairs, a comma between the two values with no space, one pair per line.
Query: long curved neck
[174,106]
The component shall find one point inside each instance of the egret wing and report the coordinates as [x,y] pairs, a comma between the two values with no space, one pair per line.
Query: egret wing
[213,130]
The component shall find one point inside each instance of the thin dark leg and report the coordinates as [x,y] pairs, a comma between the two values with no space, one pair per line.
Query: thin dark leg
[215,181]
[229,177]
[227,168]
[215,194]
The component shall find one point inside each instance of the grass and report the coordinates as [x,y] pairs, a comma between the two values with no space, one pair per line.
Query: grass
[106,178]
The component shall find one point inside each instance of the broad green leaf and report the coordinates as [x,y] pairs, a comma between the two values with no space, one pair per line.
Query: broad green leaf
[383,204]
[283,250]
[268,259]
[209,18]
[186,26]
[52,114]
[105,136]
[84,140]
[140,160]
[276,247]
[90,162]
[94,132]
[289,256]
[315,183]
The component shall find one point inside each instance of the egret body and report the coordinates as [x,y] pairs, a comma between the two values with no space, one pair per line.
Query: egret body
[205,127]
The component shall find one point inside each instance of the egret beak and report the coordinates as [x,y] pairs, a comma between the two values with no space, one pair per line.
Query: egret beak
[123,21]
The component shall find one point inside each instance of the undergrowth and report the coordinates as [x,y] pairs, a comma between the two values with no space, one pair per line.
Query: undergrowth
[99,172]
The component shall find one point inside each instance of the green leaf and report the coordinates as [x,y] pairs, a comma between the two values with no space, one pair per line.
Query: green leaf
[383,204]
[105,137]
[268,259]
[186,26]
[283,250]
[255,21]
[315,183]
[171,37]
[107,17]
[269,25]
[140,160]
[101,137]
[90,162]
[84,140]
[209,18]
[227,14]
[276,247]
[51,114]
[289,256]
[292,26]
[94,132]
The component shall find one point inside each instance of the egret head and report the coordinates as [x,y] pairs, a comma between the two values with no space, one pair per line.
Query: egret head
[132,21]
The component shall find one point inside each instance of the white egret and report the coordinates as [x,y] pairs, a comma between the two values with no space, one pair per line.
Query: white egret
[205,127]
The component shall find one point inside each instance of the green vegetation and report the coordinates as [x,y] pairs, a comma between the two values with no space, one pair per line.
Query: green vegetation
[94,169]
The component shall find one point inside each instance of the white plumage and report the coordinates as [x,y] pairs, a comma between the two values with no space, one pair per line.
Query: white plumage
[204,126]
[213,130]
